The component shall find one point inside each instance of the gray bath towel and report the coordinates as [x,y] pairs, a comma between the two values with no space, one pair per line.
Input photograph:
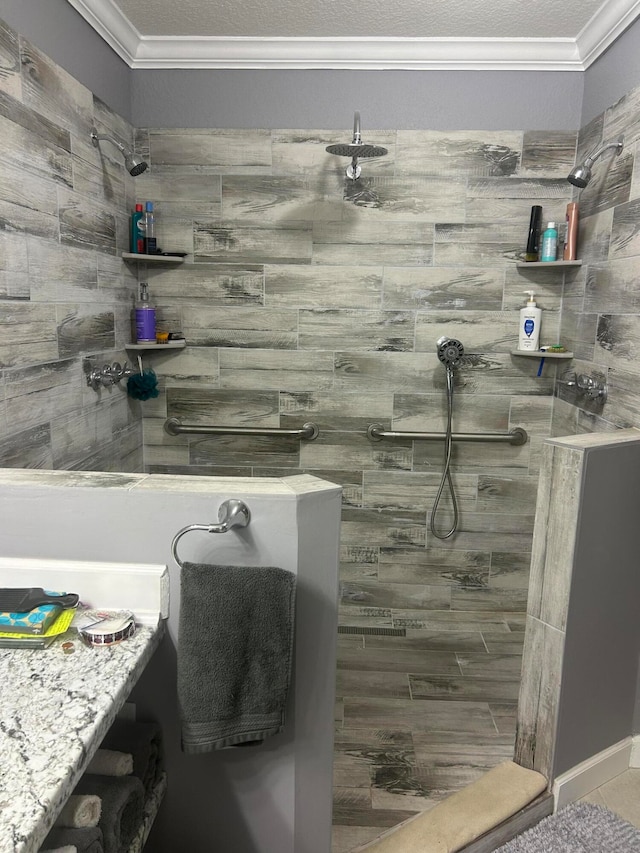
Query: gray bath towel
[235,647]
[122,808]
[85,840]
[143,741]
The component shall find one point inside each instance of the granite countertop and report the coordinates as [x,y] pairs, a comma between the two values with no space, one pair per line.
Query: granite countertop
[55,709]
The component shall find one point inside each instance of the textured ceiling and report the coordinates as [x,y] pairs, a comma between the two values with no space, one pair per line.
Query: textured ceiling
[373,18]
[428,34]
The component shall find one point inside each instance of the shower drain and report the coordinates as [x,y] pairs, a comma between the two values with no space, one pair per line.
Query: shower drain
[375,632]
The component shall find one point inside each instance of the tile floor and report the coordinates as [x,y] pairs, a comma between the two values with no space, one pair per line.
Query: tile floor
[620,795]
[420,716]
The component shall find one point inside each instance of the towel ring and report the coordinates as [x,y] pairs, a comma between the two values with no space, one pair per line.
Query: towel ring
[232,513]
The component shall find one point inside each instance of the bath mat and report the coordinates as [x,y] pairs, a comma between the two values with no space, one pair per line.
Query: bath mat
[578,828]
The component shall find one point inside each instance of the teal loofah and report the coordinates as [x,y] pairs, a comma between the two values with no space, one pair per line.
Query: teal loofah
[143,385]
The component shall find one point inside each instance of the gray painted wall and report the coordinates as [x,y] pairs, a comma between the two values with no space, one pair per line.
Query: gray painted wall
[602,638]
[62,33]
[402,100]
[613,74]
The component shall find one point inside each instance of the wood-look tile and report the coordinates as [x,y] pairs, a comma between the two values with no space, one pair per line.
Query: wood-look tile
[490,666]
[477,413]
[350,450]
[336,410]
[481,331]
[447,289]
[275,369]
[372,244]
[240,327]
[460,152]
[413,199]
[411,716]
[85,224]
[408,490]
[435,640]
[14,269]
[382,818]
[51,91]
[549,152]
[389,331]
[513,495]
[353,683]
[275,199]
[367,617]
[211,151]
[458,621]
[10,79]
[610,184]
[223,407]
[29,448]
[510,570]
[464,689]
[245,450]
[300,151]
[252,242]
[398,660]
[431,782]
[505,716]
[81,329]
[622,118]
[448,749]
[610,288]
[376,746]
[398,596]
[346,838]
[505,600]
[218,284]
[318,286]
[504,644]
[369,527]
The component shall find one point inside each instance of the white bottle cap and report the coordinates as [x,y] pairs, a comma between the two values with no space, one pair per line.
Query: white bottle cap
[551,225]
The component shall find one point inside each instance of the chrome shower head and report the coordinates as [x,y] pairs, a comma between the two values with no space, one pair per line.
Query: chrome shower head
[135,165]
[581,175]
[355,149]
[449,351]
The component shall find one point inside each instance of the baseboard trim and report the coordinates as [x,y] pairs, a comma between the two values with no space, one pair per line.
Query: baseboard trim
[634,761]
[595,771]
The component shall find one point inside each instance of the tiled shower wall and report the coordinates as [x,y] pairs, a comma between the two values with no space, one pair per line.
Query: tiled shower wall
[306,297]
[601,313]
[64,290]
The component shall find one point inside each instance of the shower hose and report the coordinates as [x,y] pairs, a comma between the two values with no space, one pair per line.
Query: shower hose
[446,471]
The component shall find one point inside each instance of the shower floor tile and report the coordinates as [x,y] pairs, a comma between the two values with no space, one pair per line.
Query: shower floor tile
[397,753]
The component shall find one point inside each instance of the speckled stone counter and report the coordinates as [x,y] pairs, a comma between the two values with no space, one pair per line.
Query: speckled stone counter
[55,709]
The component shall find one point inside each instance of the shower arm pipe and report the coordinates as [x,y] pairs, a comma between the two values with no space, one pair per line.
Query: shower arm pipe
[173,426]
[591,159]
[517,436]
[99,137]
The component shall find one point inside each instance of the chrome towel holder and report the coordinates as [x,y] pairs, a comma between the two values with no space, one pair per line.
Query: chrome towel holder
[232,513]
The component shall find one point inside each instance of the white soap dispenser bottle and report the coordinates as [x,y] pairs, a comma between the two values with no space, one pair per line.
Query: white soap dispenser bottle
[529,331]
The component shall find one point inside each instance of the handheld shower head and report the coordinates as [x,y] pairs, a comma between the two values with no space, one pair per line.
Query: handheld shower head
[449,351]
[135,165]
[581,175]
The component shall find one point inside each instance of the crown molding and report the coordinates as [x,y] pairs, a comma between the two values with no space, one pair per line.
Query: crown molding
[475,54]
[611,20]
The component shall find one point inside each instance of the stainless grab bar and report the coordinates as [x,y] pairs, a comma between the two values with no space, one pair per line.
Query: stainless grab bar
[517,436]
[232,513]
[173,426]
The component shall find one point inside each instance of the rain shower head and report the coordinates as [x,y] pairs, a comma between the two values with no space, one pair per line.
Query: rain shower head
[581,175]
[355,149]
[449,351]
[135,165]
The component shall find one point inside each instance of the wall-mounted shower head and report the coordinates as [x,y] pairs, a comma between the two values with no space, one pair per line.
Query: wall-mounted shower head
[581,175]
[355,149]
[135,165]
[449,351]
